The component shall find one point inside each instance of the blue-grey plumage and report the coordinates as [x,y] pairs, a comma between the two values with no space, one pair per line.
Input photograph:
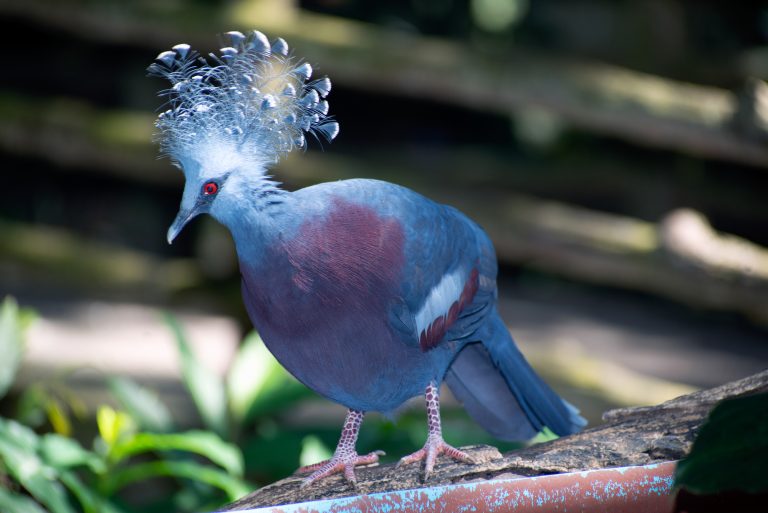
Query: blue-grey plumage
[367,292]
[334,288]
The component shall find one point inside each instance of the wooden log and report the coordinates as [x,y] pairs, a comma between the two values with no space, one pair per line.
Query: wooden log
[608,100]
[73,134]
[47,256]
[632,436]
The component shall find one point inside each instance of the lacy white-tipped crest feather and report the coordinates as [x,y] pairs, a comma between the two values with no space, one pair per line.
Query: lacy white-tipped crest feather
[252,98]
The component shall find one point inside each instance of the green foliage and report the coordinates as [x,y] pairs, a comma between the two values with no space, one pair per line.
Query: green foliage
[20,450]
[312,451]
[256,386]
[142,405]
[255,391]
[122,441]
[138,442]
[14,503]
[203,443]
[12,325]
[52,467]
[250,374]
[730,452]
[41,473]
[206,388]
[51,402]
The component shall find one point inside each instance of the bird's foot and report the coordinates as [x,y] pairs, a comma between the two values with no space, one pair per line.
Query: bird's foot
[435,446]
[345,463]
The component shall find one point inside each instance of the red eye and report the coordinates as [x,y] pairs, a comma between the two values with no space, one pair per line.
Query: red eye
[210,188]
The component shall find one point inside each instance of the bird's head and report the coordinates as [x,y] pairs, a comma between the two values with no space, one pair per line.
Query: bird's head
[215,184]
[228,120]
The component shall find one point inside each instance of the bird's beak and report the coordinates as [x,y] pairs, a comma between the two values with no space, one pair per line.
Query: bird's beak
[182,218]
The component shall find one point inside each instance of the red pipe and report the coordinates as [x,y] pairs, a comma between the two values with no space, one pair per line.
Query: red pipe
[642,489]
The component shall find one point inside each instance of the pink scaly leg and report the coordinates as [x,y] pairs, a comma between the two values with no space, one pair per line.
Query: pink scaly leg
[435,444]
[345,458]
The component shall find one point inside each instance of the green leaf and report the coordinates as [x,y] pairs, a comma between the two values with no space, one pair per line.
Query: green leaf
[731,451]
[11,343]
[14,503]
[90,502]
[18,435]
[274,455]
[234,488]
[17,450]
[255,373]
[63,453]
[545,435]
[142,404]
[203,443]
[31,405]
[58,416]
[257,384]
[250,373]
[313,450]
[206,388]
[113,425]
[281,395]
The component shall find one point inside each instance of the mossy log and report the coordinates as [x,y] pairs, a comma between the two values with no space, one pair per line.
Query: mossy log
[644,109]
[631,436]
[43,256]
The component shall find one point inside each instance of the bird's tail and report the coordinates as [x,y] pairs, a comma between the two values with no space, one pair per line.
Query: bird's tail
[501,391]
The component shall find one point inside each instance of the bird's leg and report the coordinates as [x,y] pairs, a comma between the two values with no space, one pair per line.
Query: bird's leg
[435,444]
[345,457]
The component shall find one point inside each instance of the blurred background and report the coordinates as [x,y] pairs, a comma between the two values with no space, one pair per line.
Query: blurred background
[615,151]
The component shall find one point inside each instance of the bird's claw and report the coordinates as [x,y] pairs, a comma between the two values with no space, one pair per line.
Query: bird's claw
[339,464]
[429,453]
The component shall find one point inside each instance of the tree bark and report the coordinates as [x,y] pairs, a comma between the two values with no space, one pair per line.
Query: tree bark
[629,436]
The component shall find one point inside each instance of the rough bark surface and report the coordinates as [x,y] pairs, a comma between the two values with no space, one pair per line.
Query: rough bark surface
[629,436]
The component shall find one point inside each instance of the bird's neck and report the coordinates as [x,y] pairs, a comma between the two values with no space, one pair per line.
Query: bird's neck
[259,219]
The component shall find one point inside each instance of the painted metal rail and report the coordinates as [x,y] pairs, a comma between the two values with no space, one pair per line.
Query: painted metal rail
[641,489]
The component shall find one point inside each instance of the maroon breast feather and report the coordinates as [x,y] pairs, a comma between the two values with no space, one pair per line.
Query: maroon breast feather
[353,249]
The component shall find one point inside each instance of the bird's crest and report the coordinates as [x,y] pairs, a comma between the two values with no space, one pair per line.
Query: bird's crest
[252,98]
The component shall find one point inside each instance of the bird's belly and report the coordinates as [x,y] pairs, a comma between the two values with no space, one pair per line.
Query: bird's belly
[345,352]
[366,368]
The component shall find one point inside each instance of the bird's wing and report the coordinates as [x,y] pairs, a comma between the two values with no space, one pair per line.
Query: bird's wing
[449,279]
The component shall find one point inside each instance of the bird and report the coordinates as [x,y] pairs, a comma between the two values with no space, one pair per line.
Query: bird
[367,292]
